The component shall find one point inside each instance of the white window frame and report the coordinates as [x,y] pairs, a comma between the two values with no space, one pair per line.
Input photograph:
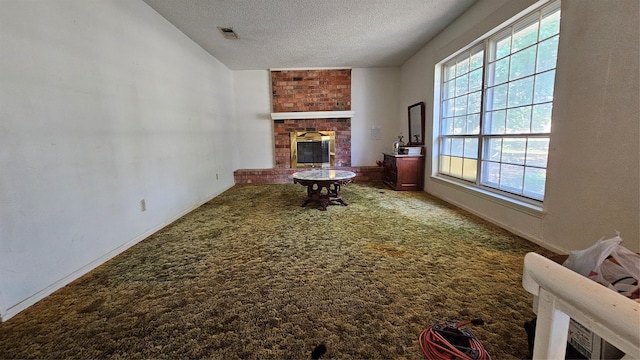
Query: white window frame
[476,178]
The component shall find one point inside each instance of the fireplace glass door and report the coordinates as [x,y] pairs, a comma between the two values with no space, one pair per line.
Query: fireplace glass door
[312,149]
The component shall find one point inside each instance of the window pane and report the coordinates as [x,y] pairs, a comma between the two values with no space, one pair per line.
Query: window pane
[523,63]
[544,87]
[449,72]
[494,149]
[457,146]
[459,125]
[445,146]
[525,34]
[474,102]
[541,118]
[499,72]
[473,124]
[513,150]
[461,105]
[475,80]
[471,148]
[502,45]
[448,108]
[469,169]
[519,120]
[550,23]
[547,54]
[456,167]
[521,92]
[446,126]
[445,164]
[497,97]
[511,177]
[534,180]
[491,174]
[495,122]
[462,85]
[463,66]
[476,59]
[537,150]
[448,90]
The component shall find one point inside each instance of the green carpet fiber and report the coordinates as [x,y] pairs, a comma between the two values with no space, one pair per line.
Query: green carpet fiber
[253,275]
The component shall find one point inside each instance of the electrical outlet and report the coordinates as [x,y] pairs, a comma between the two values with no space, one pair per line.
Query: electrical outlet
[216,176]
[143,205]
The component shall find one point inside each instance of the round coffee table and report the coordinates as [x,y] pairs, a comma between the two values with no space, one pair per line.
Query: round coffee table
[323,186]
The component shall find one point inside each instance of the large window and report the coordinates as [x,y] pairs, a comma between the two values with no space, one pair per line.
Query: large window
[495,107]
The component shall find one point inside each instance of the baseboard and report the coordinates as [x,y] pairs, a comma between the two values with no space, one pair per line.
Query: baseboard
[6,314]
[33,299]
[510,229]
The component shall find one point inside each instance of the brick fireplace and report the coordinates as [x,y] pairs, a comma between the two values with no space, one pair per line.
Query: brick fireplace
[309,100]
[283,128]
[305,92]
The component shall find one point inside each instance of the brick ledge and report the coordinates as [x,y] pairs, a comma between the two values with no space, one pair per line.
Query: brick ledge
[284,176]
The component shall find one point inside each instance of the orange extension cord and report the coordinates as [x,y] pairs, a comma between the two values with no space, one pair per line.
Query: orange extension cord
[461,343]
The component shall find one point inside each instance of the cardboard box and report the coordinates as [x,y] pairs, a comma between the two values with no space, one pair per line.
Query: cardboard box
[589,344]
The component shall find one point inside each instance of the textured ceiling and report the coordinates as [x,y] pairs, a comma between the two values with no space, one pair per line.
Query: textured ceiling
[311,33]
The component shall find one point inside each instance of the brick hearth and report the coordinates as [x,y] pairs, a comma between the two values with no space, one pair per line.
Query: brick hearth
[370,174]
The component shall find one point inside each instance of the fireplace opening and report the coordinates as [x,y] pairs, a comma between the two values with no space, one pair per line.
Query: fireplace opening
[312,149]
[313,152]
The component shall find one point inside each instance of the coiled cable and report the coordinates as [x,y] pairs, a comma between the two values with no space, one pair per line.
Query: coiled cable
[448,341]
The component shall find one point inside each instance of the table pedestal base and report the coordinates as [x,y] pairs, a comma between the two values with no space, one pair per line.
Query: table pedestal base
[323,192]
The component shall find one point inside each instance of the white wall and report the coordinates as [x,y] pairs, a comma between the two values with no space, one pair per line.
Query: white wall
[594,160]
[374,99]
[375,95]
[102,103]
[592,187]
[254,141]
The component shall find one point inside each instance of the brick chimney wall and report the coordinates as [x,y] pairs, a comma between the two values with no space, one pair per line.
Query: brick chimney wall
[311,90]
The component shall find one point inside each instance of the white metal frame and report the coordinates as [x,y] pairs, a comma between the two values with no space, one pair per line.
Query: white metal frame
[481,160]
[564,294]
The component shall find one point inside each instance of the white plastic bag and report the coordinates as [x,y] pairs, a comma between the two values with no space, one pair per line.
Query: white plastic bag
[620,275]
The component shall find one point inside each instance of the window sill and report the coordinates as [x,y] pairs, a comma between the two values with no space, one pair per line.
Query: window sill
[518,205]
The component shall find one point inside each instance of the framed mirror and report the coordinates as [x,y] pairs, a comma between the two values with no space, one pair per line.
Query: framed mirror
[416,124]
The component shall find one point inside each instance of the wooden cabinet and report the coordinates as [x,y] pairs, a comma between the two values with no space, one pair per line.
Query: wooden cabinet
[403,172]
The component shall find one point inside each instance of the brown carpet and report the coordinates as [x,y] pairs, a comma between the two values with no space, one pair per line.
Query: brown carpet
[253,275]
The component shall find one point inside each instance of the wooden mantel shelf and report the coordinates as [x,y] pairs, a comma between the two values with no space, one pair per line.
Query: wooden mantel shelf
[311,115]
